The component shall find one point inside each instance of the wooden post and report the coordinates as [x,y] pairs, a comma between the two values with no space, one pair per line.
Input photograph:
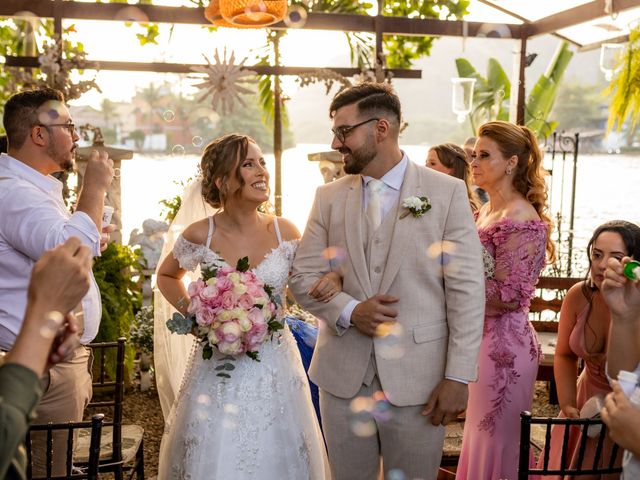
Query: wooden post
[521,80]
[277,128]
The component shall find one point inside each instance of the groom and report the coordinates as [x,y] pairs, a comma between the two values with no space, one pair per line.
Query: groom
[399,344]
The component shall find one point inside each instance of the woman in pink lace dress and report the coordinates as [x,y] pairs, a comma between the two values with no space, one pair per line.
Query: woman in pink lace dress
[514,230]
[583,334]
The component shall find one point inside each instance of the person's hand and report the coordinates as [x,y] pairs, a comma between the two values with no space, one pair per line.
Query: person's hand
[65,342]
[370,315]
[446,402]
[621,294]
[570,411]
[99,172]
[104,237]
[61,277]
[622,419]
[326,287]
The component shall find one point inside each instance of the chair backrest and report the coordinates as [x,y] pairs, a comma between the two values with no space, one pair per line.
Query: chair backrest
[108,388]
[89,471]
[603,462]
[550,292]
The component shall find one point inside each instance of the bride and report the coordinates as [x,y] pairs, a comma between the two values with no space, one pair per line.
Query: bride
[259,423]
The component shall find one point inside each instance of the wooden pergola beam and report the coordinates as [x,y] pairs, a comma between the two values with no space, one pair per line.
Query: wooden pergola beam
[577,15]
[596,45]
[161,67]
[195,16]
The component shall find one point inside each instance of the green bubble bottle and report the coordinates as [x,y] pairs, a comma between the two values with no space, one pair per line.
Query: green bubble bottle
[632,270]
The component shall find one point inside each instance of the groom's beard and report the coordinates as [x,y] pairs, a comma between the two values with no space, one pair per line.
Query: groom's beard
[356,160]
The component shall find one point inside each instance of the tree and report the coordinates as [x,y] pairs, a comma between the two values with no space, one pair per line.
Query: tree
[579,107]
[491,94]
[108,109]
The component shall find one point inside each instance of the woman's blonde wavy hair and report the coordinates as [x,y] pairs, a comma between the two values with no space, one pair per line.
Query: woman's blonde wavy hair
[221,159]
[528,177]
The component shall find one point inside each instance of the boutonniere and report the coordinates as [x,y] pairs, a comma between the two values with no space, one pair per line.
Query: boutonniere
[416,206]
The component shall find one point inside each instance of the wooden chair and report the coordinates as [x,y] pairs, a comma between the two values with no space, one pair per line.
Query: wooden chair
[122,446]
[87,470]
[602,463]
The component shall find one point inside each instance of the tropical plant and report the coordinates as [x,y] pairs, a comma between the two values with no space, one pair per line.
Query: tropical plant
[142,330]
[492,94]
[118,275]
[624,88]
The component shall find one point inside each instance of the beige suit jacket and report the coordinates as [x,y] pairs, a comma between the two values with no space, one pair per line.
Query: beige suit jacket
[441,306]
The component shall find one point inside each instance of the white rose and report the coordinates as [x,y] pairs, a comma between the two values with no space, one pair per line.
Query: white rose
[212,337]
[229,348]
[245,324]
[231,329]
[239,288]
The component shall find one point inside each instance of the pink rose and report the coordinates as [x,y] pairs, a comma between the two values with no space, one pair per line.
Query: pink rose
[245,301]
[196,287]
[224,271]
[256,335]
[255,290]
[205,317]
[209,293]
[256,316]
[224,284]
[195,305]
[228,300]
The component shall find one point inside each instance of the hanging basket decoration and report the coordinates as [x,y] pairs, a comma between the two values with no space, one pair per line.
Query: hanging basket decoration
[253,13]
[225,82]
[212,13]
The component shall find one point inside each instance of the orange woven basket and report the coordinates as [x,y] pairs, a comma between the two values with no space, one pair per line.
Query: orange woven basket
[253,13]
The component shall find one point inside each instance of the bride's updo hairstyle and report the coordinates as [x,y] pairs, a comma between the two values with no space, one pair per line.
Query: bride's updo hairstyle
[527,177]
[221,159]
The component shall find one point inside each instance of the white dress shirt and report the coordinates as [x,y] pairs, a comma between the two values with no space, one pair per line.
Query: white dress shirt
[33,219]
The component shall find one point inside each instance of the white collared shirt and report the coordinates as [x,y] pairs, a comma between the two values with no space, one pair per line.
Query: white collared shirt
[392,183]
[33,219]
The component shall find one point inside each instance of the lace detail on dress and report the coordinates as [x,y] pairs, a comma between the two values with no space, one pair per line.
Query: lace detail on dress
[519,252]
[489,263]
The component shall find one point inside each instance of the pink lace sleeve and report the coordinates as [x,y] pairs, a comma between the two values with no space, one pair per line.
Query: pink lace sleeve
[519,258]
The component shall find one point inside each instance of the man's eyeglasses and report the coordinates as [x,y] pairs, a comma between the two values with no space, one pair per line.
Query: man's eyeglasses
[71,127]
[343,131]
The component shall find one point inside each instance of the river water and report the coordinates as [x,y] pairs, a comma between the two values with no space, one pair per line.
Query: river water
[607,187]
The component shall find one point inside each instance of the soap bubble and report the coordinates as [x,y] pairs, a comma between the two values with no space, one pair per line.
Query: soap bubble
[177,151]
[296,17]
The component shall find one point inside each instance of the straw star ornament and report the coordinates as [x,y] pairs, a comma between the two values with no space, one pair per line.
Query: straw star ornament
[226,81]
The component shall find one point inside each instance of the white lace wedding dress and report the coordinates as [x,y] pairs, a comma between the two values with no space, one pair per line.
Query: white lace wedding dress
[257,424]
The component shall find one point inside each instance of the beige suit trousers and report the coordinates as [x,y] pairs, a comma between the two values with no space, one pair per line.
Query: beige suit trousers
[67,391]
[357,439]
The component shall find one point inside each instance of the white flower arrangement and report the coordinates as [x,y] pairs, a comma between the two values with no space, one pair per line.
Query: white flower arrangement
[416,206]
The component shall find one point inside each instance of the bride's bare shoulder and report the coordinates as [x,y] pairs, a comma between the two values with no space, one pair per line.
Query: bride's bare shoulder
[288,230]
[197,232]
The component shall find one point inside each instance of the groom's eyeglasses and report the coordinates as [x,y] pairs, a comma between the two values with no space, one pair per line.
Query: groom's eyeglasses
[343,131]
[69,126]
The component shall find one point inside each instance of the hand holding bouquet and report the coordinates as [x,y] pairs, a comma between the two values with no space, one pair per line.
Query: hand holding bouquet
[231,309]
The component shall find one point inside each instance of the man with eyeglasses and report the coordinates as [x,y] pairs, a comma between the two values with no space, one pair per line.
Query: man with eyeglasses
[33,219]
[400,343]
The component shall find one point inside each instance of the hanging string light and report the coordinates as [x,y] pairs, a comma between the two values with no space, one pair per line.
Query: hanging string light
[252,13]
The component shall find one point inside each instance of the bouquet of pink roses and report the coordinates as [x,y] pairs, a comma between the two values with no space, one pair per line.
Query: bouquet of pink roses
[231,309]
